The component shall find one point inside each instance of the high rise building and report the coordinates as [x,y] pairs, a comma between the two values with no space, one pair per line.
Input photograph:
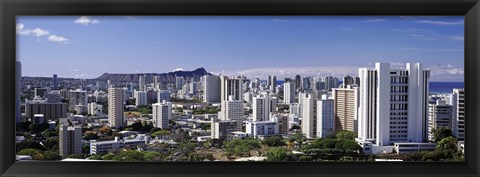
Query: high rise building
[306,83]
[298,82]
[231,87]
[18,78]
[142,83]
[325,117]
[220,129]
[162,112]
[346,102]
[163,95]
[289,92]
[348,80]
[193,88]
[70,140]
[115,107]
[178,83]
[55,82]
[440,116]
[261,108]
[140,98]
[308,115]
[272,82]
[156,83]
[233,110]
[273,104]
[458,127]
[211,88]
[393,104]
[77,97]
[330,82]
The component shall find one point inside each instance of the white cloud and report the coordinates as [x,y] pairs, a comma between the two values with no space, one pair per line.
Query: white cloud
[444,23]
[85,20]
[375,20]
[40,32]
[178,69]
[21,30]
[55,38]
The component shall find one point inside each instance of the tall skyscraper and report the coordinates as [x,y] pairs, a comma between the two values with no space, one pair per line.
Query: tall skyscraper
[193,88]
[55,82]
[308,115]
[142,82]
[346,102]
[115,107]
[289,92]
[458,127]
[18,80]
[393,104]
[261,108]
[298,82]
[211,88]
[162,112]
[325,117]
[272,82]
[70,140]
[77,97]
[233,110]
[163,95]
[231,87]
[156,83]
[440,116]
[306,83]
[348,80]
[178,83]
[140,98]
[330,82]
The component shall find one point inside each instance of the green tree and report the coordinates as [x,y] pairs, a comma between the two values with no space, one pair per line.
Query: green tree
[29,144]
[273,141]
[28,151]
[153,156]
[51,155]
[345,134]
[129,156]
[277,154]
[90,136]
[298,138]
[448,146]
[439,134]
[160,132]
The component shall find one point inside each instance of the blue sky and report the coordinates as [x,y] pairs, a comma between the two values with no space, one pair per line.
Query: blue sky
[255,46]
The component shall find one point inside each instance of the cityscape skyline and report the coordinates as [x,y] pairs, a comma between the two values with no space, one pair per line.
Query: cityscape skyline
[250,46]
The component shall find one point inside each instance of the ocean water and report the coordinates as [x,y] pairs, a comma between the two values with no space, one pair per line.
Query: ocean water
[435,87]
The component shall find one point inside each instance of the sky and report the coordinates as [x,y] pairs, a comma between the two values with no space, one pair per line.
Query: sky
[255,46]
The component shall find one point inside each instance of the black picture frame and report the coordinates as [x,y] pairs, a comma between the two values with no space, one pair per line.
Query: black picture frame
[11,8]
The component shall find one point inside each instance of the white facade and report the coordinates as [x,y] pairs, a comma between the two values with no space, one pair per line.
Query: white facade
[308,115]
[261,128]
[211,88]
[161,112]
[458,124]
[103,147]
[220,129]
[289,92]
[325,118]
[140,98]
[231,87]
[233,110]
[261,107]
[115,107]
[70,140]
[393,104]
